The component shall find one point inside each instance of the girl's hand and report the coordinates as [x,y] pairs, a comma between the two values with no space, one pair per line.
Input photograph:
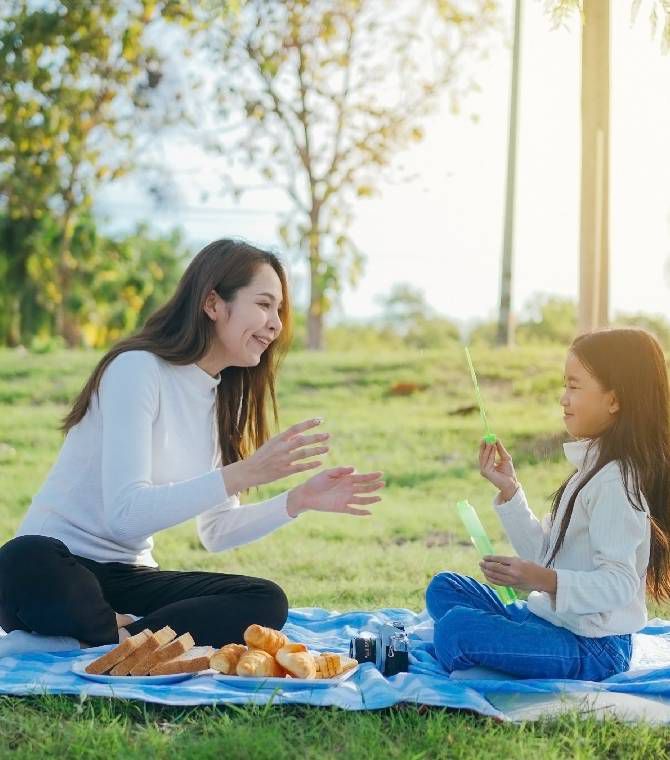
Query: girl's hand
[513,571]
[335,491]
[277,458]
[500,473]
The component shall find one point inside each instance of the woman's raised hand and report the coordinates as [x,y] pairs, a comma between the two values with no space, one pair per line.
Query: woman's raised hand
[336,490]
[495,464]
[278,458]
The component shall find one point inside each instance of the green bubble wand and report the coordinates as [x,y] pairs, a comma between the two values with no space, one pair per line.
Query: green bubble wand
[467,512]
[489,437]
[482,543]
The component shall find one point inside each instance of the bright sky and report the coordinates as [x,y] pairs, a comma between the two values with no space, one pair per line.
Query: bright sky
[443,232]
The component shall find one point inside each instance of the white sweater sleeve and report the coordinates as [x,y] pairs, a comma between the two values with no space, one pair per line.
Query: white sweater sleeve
[133,506]
[528,536]
[232,524]
[616,530]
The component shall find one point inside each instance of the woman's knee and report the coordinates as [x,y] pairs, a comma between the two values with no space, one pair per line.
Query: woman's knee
[270,604]
[29,559]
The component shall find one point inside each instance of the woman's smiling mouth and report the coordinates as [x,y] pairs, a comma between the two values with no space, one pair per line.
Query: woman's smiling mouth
[264,342]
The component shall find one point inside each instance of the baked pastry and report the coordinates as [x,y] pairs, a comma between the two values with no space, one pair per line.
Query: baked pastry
[256,662]
[225,659]
[267,639]
[297,661]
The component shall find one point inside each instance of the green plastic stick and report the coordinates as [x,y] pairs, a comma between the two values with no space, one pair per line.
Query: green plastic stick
[482,543]
[489,437]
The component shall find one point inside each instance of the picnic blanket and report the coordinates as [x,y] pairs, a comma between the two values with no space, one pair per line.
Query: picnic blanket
[644,691]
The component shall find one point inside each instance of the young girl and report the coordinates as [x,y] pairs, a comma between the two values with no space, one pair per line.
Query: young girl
[588,562]
[172,425]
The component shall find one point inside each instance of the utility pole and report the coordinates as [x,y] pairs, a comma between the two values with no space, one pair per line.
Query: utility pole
[594,221]
[505,317]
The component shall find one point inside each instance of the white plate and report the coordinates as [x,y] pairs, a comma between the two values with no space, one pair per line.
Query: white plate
[79,666]
[285,684]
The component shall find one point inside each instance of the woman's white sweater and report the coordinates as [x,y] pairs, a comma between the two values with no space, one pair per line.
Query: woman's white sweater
[145,457]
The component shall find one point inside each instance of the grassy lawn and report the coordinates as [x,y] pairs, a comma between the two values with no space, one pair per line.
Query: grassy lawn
[426,443]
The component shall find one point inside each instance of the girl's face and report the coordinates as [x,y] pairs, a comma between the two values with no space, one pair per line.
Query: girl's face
[247,325]
[588,409]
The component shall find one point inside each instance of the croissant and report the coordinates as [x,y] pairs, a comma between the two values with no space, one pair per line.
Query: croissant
[225,659]
[329,664]
[267,639]
[256,662]
[297,661]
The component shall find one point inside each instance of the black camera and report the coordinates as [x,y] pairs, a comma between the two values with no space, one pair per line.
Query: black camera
[388,650]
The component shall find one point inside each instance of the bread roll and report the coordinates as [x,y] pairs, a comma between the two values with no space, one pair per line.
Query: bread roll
[256,663]
[267,639]
[297,661]
[225,659]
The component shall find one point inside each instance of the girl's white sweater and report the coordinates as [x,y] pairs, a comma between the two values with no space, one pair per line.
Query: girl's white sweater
[602,564]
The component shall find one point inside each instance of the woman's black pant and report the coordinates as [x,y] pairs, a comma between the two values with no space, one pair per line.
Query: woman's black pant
[46,589]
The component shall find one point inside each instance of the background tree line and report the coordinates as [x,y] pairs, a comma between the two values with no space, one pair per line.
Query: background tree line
[316,98]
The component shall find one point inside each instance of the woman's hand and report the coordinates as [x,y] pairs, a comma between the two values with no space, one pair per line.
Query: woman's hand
[501,472]
[277,458]
[335,490]
[513,571]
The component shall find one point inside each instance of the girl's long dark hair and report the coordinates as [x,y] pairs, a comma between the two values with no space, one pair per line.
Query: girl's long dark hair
[180,332]
[630,363]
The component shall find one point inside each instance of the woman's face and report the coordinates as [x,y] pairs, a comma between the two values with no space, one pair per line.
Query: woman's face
[249,323]
[588,410]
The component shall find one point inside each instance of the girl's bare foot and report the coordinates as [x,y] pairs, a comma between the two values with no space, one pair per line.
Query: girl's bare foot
[122,620]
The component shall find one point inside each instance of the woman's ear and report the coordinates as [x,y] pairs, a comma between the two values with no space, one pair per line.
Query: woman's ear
[212,305]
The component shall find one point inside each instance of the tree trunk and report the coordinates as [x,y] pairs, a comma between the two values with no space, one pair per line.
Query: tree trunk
[316,294]
[12,336]
[66,324]
[315,312]
[594,231]
[505,316]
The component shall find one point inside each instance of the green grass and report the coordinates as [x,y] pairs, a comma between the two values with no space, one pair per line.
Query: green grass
[426,444]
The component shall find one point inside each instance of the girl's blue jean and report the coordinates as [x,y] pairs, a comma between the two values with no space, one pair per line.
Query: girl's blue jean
[474,628]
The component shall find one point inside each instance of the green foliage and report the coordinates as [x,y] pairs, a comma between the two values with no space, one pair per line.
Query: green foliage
[544,319]
[659,15]
[654,323]
[407,315]
[115,282]
[75,83]
[548,319]
[324,96]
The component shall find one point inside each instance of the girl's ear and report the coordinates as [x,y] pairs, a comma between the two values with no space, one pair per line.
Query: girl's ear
[614,403]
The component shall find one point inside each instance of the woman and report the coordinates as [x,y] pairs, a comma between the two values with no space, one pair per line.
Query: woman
[172,425]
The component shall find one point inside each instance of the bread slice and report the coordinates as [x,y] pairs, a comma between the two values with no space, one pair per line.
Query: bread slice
[175,648]
[195,659]
[120,652]
[149,645]
[329,664]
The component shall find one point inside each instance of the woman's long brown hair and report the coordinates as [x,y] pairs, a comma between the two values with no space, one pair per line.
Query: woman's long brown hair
[181,333]
[630,363]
